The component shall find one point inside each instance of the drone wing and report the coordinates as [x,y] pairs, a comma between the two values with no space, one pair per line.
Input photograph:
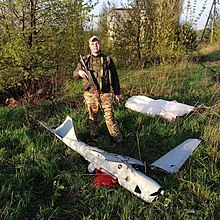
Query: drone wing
[121,159]
[174,159]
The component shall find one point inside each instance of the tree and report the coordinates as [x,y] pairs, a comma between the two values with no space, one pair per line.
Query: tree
[148,32]
[40,40]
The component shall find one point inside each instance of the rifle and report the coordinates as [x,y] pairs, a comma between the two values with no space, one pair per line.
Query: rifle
[91,80]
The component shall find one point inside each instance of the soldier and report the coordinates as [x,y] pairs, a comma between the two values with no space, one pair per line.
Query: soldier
[103,70]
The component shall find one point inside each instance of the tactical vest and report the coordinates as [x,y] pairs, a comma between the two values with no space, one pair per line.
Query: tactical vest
[99,66]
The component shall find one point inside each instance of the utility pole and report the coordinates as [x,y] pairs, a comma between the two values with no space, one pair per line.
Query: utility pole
[213,21]
[212,17]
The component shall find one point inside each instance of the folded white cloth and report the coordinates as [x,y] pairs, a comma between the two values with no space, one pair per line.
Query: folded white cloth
[167,109]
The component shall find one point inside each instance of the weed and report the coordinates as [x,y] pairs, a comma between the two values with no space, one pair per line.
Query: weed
[41,178]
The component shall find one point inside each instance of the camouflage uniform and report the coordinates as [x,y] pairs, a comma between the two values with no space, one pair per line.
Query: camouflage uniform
[105,76]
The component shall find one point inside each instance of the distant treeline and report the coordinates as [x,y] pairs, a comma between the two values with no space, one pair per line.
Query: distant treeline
[41,40]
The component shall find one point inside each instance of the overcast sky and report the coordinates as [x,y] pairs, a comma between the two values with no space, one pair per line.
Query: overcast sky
[199,4]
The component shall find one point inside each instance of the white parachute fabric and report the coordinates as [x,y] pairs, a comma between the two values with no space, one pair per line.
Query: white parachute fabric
[167,109]
[174,159]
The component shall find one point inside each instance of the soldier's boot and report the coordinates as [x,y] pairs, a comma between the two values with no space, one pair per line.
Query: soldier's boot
[116,136]
[94,129]
[118,139]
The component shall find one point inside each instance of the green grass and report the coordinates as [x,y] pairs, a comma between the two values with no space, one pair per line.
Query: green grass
[41,178]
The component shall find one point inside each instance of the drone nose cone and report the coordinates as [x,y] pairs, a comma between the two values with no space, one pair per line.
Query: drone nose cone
[160,191]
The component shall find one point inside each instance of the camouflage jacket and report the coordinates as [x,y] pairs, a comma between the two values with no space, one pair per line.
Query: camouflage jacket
[104,73]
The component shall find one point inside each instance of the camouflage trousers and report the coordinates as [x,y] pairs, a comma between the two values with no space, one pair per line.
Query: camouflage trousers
[92,107]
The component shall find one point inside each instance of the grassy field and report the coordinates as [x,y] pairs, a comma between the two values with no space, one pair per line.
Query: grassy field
[41,178]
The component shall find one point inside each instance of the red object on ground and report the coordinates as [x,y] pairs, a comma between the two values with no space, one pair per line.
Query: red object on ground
[103,179]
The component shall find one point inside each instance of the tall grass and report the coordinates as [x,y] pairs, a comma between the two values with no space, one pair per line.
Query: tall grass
[41,178]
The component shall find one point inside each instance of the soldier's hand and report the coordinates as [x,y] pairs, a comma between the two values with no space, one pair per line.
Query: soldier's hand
[82,73]
[118,98]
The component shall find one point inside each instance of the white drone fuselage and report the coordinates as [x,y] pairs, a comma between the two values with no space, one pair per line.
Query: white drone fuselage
[117,166]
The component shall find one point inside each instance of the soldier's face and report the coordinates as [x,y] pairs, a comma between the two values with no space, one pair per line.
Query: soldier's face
[95,47]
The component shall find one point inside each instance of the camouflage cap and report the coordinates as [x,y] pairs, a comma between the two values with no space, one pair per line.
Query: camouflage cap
[91,39]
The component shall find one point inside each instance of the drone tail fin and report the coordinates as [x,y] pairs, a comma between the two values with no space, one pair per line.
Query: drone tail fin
[66,130]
